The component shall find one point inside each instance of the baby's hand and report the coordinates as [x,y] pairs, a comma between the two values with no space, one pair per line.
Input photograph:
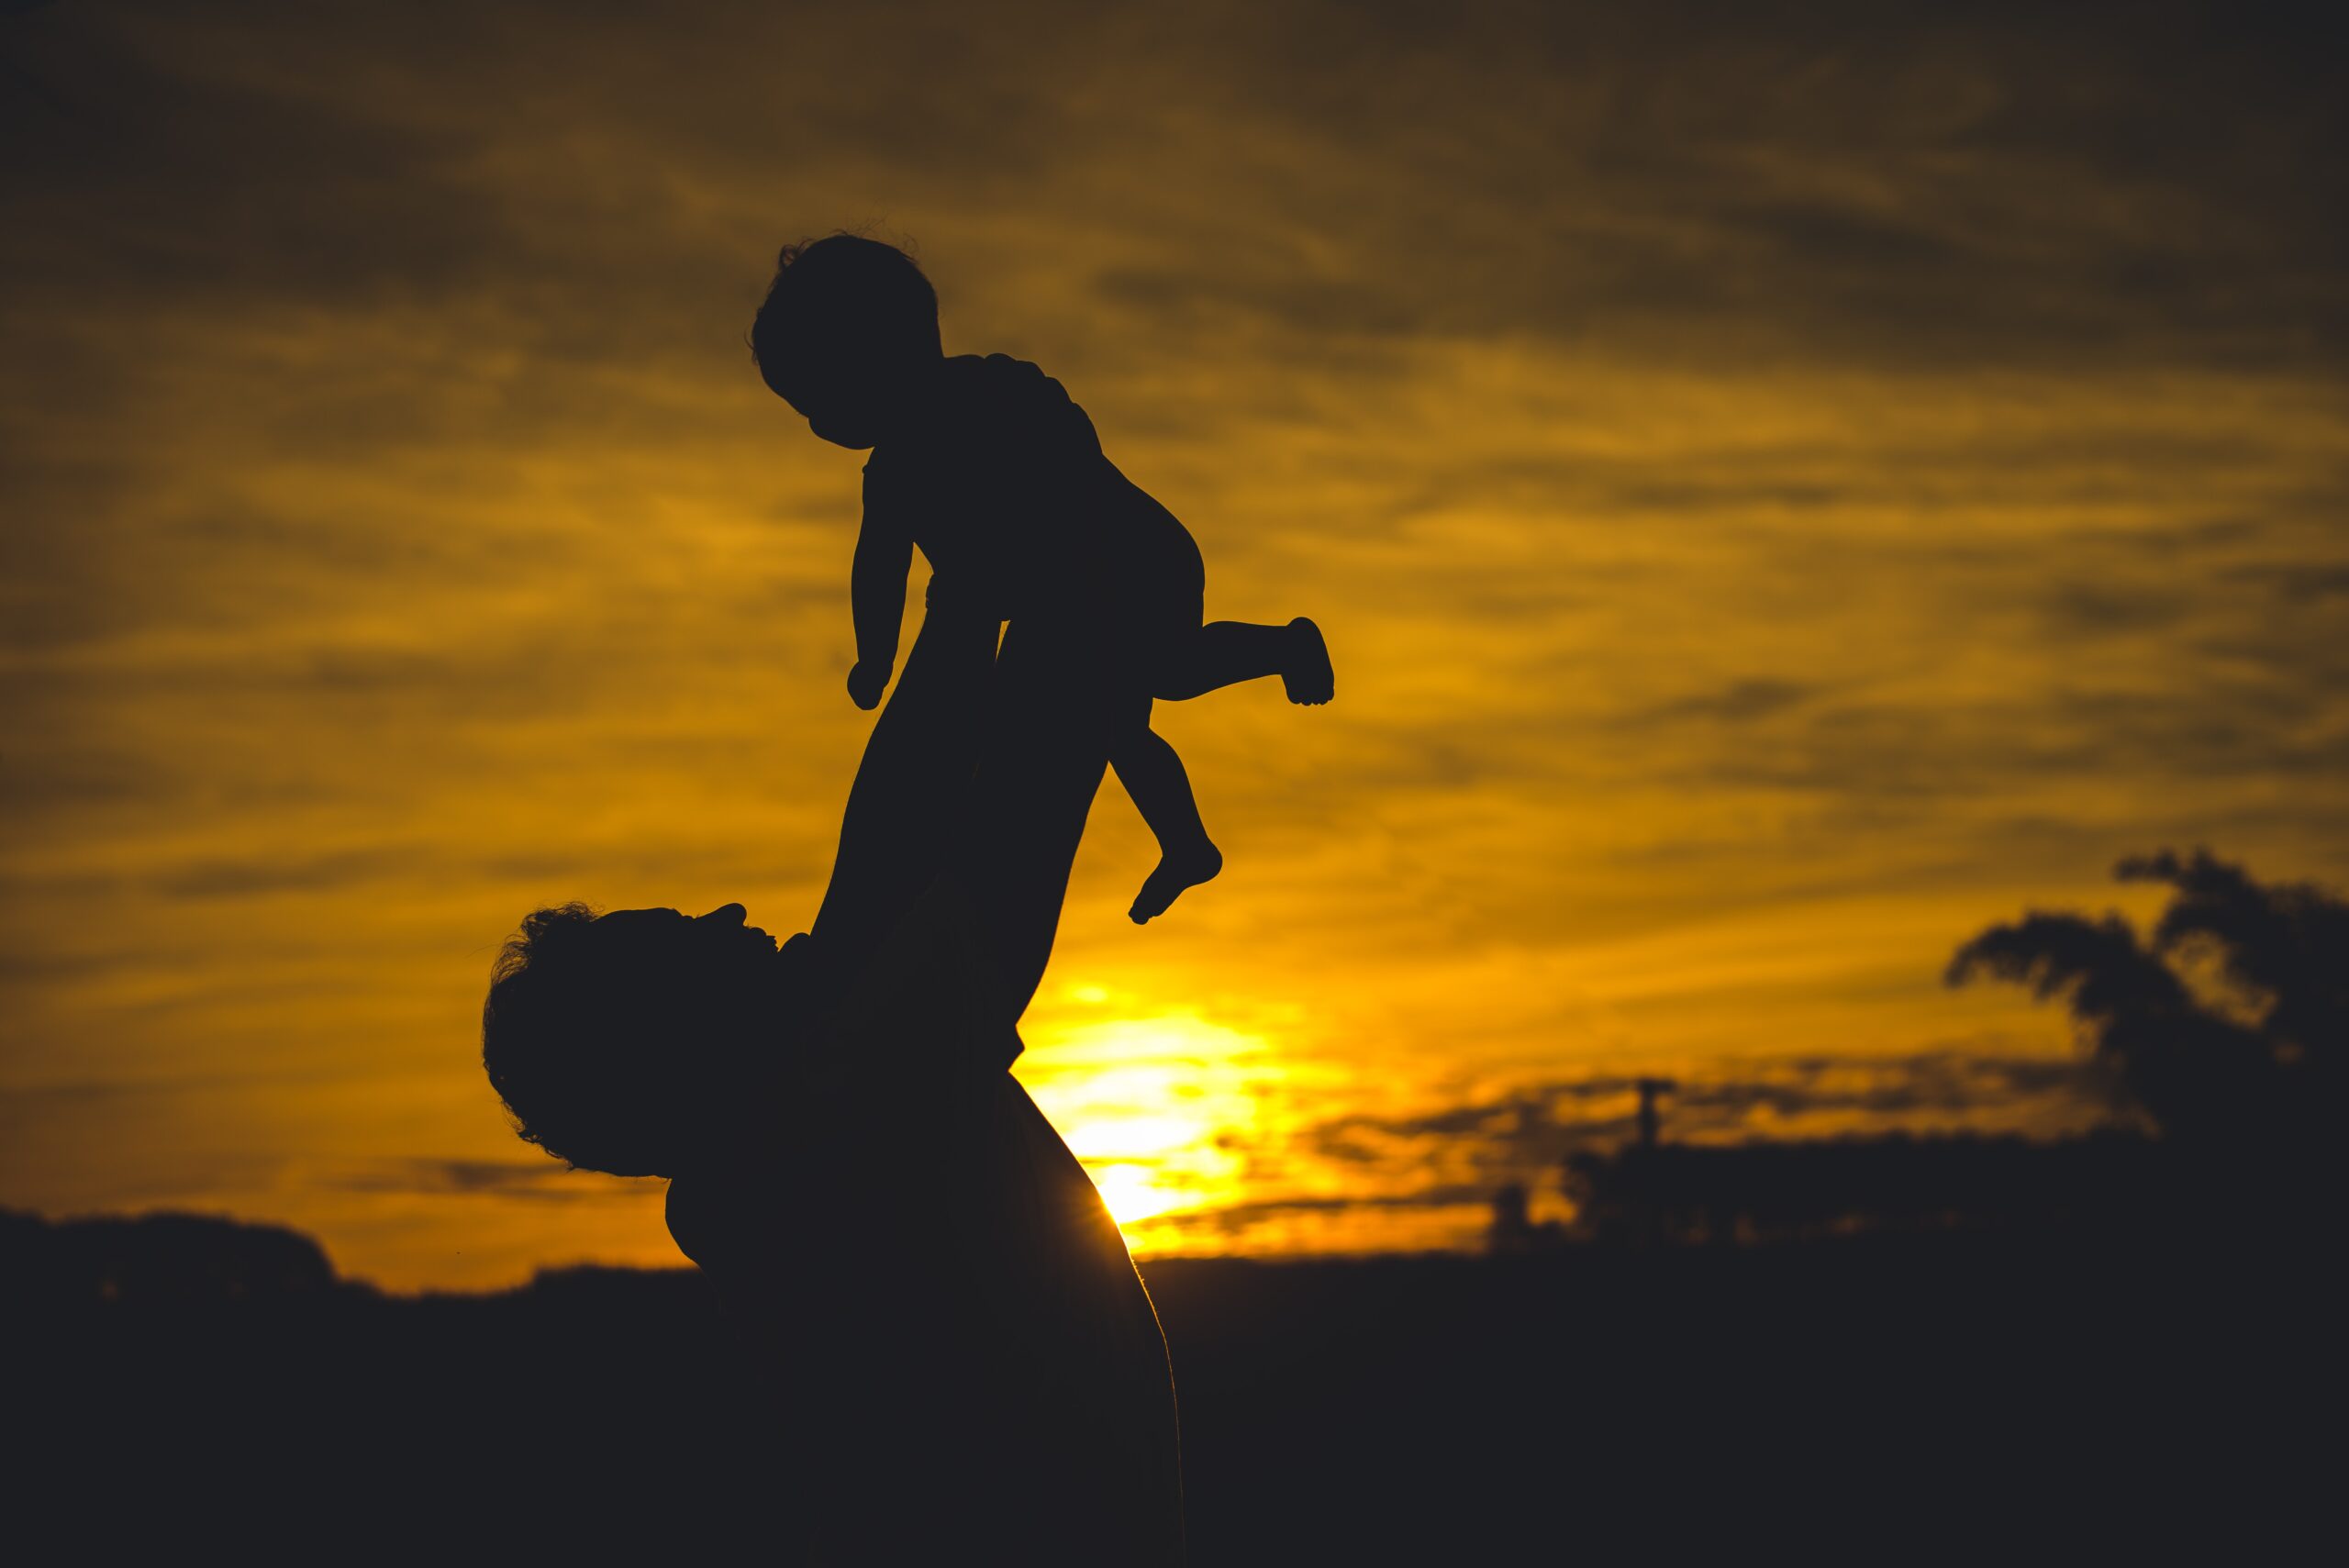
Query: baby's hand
[867,683]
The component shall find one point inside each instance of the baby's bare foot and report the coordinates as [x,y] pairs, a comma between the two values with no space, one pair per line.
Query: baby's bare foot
[1309,678]
[1177,870]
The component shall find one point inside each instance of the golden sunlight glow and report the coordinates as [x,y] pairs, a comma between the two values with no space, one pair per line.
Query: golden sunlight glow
[1132,1193]
[1154,1107]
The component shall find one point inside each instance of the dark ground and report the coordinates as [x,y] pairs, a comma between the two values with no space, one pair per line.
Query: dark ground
[1896,1398]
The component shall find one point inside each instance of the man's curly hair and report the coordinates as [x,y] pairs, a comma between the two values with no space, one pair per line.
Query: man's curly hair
[573,1037]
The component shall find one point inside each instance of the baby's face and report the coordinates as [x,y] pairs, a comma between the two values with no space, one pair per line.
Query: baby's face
[845,402]
[844,424]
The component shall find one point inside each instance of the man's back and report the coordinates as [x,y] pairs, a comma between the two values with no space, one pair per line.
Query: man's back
[960,1357]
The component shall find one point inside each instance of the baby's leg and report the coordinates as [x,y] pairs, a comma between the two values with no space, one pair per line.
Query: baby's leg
[1153,776]
[1226,652]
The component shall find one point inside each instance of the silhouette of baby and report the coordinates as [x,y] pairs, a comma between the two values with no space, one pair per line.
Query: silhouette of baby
[990,469]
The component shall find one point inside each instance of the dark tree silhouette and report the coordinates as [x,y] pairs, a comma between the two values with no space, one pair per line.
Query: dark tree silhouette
[2250,1058]
[1815,1189]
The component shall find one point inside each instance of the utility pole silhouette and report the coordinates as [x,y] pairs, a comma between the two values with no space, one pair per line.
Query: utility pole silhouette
[1651,1090]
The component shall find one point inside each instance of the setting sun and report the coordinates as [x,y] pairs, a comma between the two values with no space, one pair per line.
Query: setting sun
[1132,1194]
[1155,1106]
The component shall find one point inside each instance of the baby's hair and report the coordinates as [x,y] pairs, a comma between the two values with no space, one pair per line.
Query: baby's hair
[843,291]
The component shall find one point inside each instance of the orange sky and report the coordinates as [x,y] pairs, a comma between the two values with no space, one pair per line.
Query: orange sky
[1783,494]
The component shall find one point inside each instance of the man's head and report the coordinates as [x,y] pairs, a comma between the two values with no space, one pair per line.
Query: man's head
[612,1039]
[846,324]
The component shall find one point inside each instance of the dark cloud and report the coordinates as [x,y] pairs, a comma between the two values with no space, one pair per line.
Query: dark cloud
[276,872]
[141,178]
[2298,581]
[1460,1155]
[1997,187]
[1785,1087]
[2212,722]
[2005,187]
[1472,1148]
[539,1181]
[1235,1219]
[2094,609]
[1754,698]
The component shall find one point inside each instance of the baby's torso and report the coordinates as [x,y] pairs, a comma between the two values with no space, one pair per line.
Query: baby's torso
[1005,489]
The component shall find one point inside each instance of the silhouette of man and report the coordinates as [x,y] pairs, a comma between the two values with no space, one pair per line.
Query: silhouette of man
[953,1357]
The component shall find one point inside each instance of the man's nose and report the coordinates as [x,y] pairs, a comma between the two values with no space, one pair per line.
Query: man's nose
[727,915]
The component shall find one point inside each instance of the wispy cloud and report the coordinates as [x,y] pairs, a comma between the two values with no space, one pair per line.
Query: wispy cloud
[1443,1165]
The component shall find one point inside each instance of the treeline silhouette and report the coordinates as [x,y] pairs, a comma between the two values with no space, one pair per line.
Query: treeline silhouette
[1766,1191]
[157,1261]
[1888,1393]
[1888,1349]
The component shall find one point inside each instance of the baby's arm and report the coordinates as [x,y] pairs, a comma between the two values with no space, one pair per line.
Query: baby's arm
[877,591]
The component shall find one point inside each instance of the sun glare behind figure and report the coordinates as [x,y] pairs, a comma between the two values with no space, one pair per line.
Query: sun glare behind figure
[1131,1194]
[1148,1105]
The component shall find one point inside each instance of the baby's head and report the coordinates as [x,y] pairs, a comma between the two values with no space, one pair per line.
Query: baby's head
[617,1041]
[845,324]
